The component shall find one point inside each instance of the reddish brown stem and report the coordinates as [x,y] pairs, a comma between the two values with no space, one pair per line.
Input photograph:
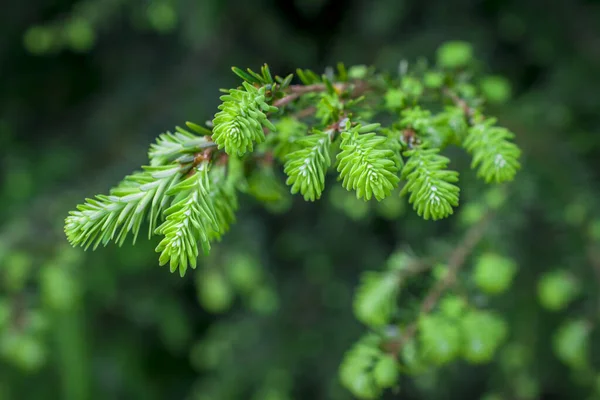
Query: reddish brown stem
[296,91]
[462,104]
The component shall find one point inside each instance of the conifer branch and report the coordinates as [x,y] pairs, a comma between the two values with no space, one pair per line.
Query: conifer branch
[189,189]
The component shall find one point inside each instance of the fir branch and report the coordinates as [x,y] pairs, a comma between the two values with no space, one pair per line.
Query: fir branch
[201,206]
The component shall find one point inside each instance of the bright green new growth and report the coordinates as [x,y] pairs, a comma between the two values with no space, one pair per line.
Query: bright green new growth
[190,219]
[306,167]
[190,188]
[113,217]
[239,124]
[494,155]
[366,165]
[375,299]
[432,188]
[170,146]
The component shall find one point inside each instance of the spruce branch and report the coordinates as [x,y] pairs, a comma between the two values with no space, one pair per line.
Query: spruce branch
[190,186]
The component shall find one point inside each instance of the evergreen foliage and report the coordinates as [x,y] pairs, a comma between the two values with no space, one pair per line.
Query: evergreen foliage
[366,165]
[494,155]
[368,158]
[188,221]
[432,188]
[307,166]
[239,124]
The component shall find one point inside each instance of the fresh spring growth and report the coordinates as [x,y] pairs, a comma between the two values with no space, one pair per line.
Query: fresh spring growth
[187,194]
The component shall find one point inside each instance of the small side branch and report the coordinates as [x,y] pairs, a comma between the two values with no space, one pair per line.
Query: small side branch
[296,91]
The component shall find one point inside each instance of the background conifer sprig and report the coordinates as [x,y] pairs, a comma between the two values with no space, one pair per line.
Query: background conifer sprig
[334,116]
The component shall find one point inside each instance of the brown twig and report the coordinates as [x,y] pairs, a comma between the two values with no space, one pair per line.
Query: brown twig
[296,91]
[462,104]
[307,112]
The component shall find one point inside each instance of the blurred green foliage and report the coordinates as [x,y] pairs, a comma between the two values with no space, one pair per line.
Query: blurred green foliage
[86,85]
